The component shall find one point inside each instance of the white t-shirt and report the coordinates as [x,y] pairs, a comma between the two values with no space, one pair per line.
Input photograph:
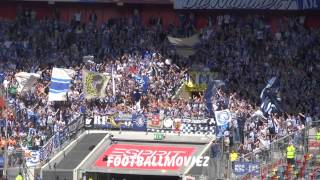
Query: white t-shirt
[6,83]
[37,141]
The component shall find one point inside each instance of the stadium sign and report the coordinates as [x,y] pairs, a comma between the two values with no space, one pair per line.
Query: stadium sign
[131,156]
[248,4]
[158,136]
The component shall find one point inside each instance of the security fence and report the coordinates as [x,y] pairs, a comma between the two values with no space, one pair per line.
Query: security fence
[273,161]
[21,159]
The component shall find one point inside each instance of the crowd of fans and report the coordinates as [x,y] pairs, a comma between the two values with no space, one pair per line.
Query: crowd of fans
[246,53]
[243,51]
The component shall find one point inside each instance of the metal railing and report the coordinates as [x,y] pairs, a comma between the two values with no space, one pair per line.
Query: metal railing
[276,155]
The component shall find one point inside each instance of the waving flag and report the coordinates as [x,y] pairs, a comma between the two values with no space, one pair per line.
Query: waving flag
[60,84]
[185,46]
[223,117]
[270,99]
[94,84]
[143,82]
[26,80]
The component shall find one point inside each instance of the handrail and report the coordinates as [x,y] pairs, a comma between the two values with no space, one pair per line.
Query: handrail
[306,128]
[284,137]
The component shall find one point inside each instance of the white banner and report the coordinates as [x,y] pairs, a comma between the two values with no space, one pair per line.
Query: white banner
[26,80]
[223,117]
[60,83]
[32,158]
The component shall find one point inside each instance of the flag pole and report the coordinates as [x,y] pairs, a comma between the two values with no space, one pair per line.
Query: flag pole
[113,84]
[6,138]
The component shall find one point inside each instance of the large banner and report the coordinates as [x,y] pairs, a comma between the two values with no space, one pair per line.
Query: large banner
[111,121]
[153,123]
[248,4]
[60,84]
[185,46]
[94,84]
[26,80]
[181,125]
[243,168]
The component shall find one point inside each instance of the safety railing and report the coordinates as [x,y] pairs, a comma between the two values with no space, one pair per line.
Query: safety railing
[56,142]
[15,158]
[276,155]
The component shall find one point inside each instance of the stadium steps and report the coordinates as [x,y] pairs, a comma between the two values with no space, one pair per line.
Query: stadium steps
[67,160]
[80,151]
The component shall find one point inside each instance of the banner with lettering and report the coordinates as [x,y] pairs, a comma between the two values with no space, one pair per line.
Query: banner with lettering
[242,168]
[113,121]
[76,124]
[248,4]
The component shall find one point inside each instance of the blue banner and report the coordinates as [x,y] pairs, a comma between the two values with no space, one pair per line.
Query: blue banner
[242,168]
[248,4]
[139,122]
[143,82]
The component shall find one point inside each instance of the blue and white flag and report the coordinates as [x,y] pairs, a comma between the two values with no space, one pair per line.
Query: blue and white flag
[139,80]
[60,84]
[143,82]
[139,122]
[273,85]
[32,158]
[223,117]
[270,100]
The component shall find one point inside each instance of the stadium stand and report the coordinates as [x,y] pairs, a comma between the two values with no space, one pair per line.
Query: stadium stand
[250,79]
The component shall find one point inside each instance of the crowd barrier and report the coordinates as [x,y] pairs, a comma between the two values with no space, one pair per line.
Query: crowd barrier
[55,142]
[270,159]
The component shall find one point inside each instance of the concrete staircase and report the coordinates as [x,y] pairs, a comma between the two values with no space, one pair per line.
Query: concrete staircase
[62,166]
